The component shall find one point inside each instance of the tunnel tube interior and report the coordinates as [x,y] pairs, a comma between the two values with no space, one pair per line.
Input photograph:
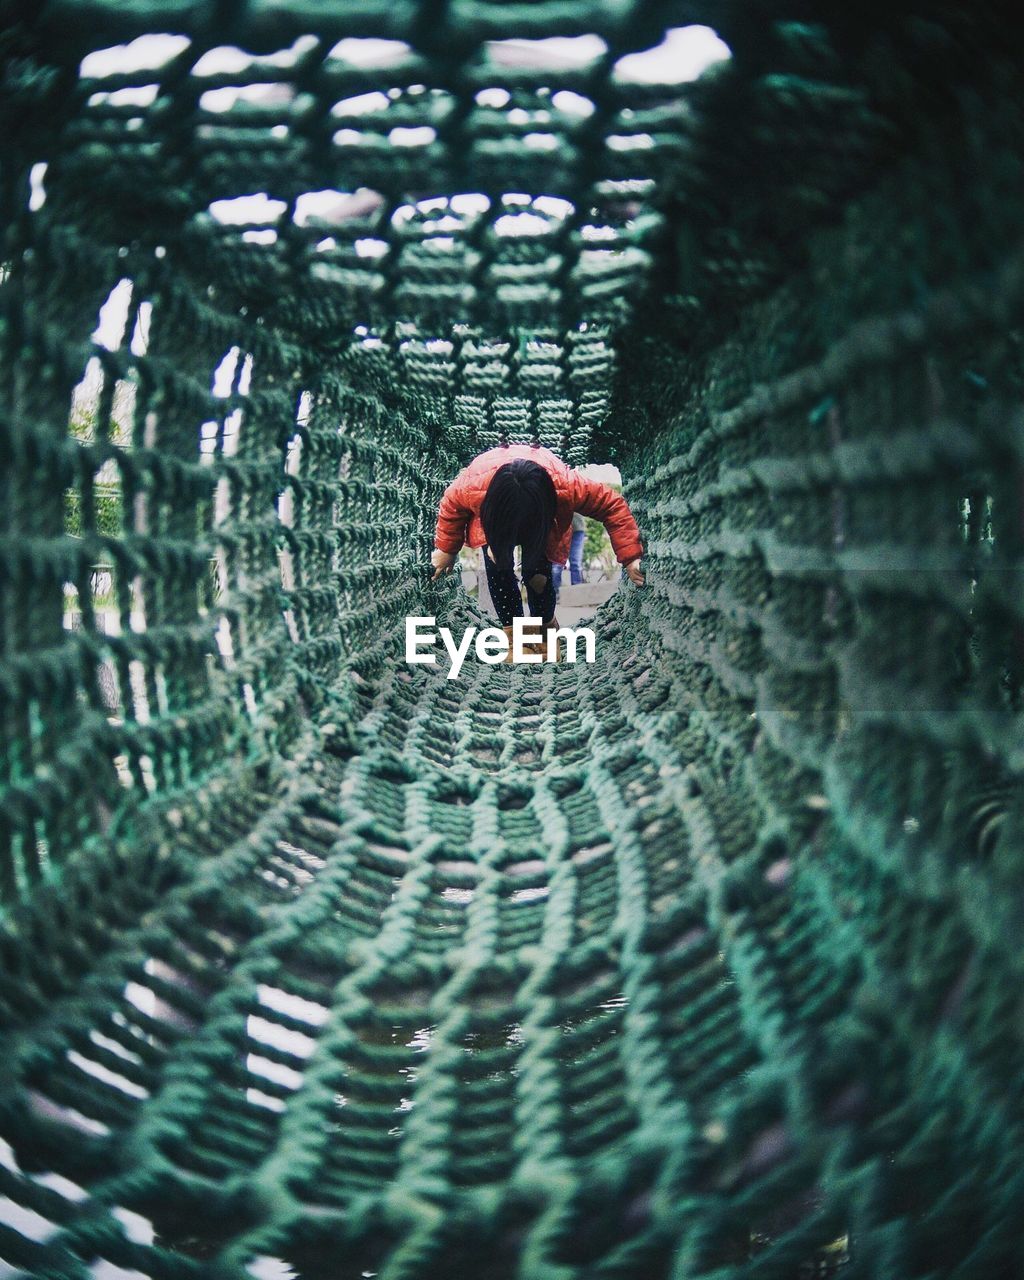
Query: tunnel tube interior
[319,964]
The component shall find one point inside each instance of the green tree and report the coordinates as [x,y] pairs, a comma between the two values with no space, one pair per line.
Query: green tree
[598,545]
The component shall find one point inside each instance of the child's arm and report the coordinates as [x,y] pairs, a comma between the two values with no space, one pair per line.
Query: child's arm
[449,535]
[602,503]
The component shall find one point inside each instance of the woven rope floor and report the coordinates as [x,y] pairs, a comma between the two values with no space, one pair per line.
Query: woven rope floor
[700,962]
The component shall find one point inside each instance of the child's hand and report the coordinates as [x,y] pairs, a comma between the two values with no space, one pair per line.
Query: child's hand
[633,572]
[442,561]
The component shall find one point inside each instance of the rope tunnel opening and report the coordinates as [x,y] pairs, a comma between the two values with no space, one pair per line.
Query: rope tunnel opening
[697,960]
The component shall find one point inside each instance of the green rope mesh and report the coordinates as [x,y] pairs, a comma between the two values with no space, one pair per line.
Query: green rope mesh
[703,961]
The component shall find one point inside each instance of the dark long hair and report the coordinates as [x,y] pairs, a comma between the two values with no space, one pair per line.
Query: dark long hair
[518,511]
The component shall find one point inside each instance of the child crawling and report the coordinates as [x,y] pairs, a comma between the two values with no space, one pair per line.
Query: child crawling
[522,495]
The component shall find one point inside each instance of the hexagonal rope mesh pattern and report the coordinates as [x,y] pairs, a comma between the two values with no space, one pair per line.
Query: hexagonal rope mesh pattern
[702,961]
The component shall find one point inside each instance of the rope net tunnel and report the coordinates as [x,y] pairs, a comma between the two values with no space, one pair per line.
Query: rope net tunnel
[700,961]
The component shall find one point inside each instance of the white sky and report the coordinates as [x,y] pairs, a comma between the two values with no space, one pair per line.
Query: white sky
[682,57]
[604,472]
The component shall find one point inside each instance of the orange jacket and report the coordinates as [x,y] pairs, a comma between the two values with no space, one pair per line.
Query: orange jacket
[458,520]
